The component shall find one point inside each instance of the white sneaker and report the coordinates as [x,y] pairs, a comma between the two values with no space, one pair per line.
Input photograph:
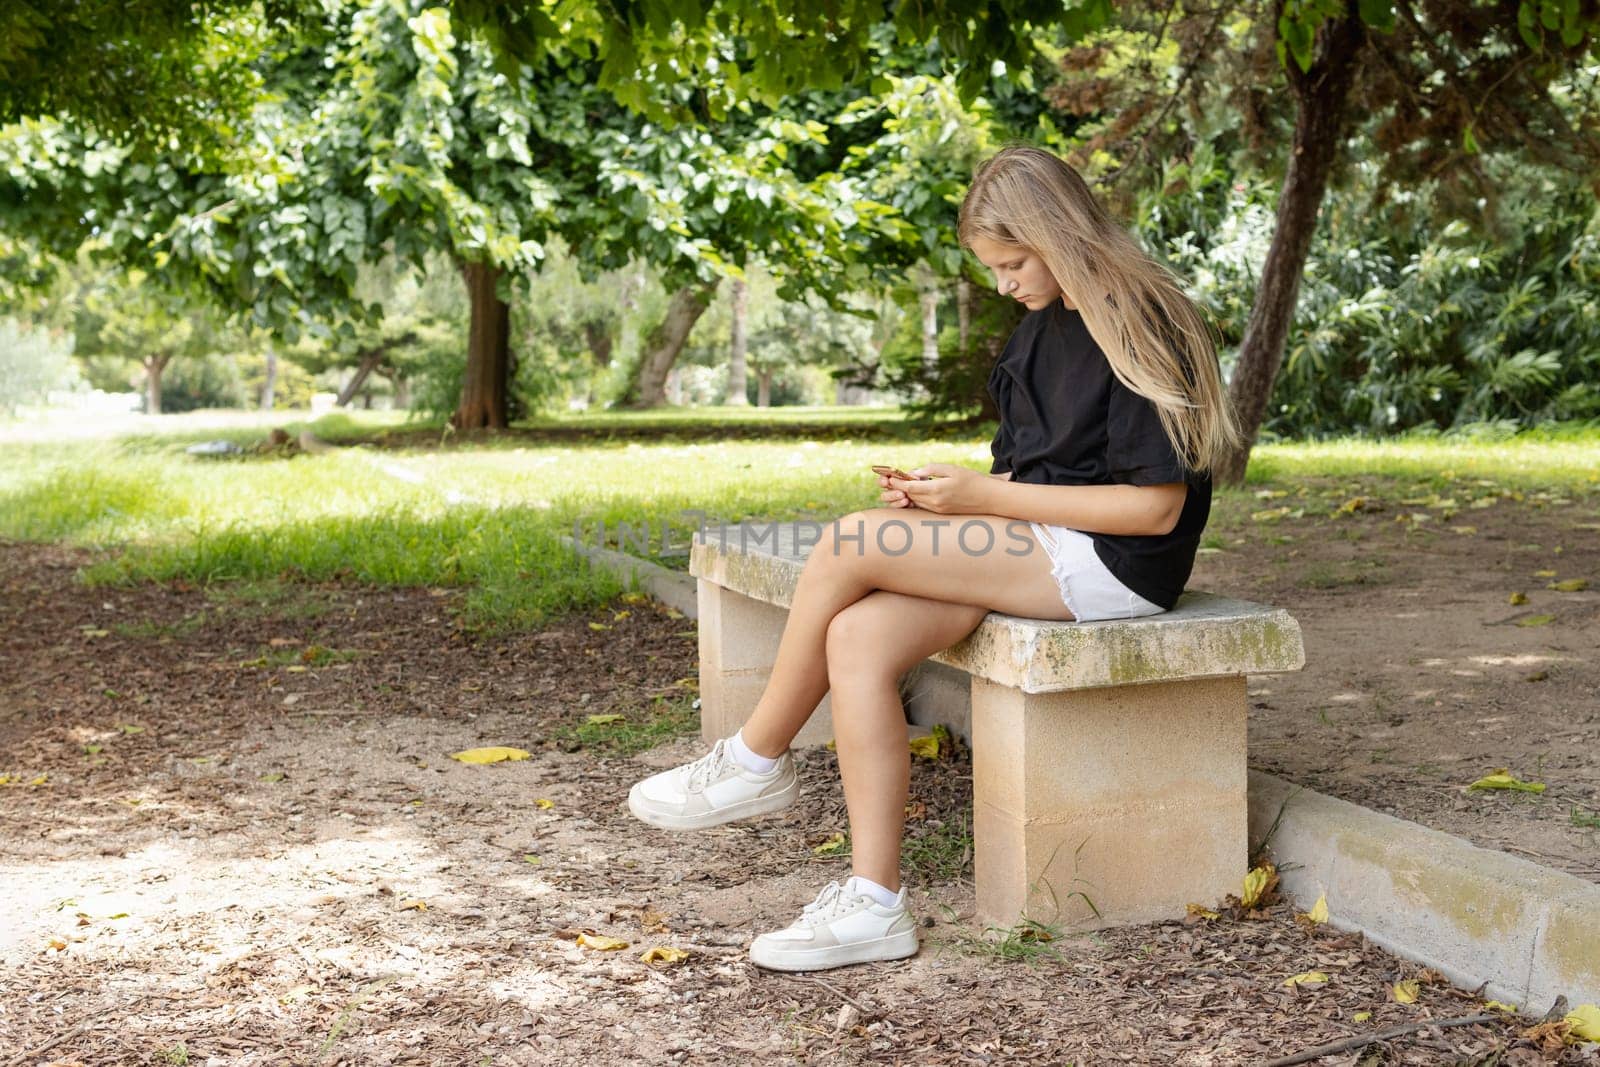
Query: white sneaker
[712,790]
[837,928]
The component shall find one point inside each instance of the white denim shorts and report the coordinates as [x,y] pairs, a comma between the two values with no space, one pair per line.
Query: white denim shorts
[1090,591]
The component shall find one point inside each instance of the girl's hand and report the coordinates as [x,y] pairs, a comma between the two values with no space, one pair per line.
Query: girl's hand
[953,491]
[891,496]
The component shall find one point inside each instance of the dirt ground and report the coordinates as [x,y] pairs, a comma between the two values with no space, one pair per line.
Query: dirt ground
[1422,675]
[232,833]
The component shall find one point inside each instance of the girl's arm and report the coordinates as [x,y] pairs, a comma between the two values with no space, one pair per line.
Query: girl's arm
[1112,509]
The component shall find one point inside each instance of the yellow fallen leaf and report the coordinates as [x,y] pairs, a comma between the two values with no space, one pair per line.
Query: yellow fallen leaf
[1361,1016]
[1201,912]
[96,633]
[1495,1005]
[598,626]
[603,720]
[1544,574]
[1353,505]
[1516,600]
[674,613]
[496,754]
[413,905]
[6,779]
[530,858]
[1536,620]
[57,944]
[620,615]
[1306,979]
[1571,585]
[1499,778]
[831,845]
[1465,531]
[634,598]
[926,747]
[664,954]
[1406,992]
[1585,1020]
[1256,884]
[601,943]
[40,780]
[1319,911]
[544,805]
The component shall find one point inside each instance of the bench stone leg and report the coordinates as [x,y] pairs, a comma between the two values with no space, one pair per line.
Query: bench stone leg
[1133,796]
[738,646]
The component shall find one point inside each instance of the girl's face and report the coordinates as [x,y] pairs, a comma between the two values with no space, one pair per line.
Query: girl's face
[1018,273]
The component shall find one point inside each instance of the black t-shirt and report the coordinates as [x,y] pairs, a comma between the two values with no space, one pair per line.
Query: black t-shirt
[1065,419]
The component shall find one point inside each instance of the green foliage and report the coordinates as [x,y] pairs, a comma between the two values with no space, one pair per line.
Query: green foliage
[32,363]
[212,380]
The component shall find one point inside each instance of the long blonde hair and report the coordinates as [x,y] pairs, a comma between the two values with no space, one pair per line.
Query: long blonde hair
[1152,334]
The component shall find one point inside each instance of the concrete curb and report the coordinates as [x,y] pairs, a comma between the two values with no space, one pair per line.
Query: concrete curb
[1475,915]
[673,588]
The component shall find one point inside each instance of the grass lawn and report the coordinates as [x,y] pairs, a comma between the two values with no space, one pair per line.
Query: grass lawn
[414,504]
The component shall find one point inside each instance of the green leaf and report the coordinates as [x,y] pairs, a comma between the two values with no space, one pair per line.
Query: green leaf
[1378,15]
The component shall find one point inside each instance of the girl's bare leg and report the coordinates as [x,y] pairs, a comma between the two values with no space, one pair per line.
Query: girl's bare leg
[871,644]
[800,674]
[933,566]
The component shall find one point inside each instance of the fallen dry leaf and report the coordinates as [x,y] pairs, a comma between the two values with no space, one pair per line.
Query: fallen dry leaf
[1585,1022]
[1308,978]
[833,844]
[664,954]
[496,754]
[1317,915]
[1499,778]
[600,942]
[1406,992]
[1258,887]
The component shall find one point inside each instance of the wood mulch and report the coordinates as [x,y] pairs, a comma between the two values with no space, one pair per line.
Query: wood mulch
[248,845]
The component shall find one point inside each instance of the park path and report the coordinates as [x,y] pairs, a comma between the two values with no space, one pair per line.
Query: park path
[248,844]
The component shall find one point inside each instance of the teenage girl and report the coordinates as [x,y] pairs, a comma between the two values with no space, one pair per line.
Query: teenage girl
[1112,411]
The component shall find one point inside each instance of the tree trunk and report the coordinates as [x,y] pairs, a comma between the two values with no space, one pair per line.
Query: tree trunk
[1319,127]
[369,361]
[930,327]
[269,391]
[153,366]
[963,310]
[675,386]
[598,334]
[763,389]
[663,344]
[402,392]
[485,386]
[736,358]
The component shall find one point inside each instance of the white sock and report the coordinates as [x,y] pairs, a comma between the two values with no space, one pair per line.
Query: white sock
[747,759]
[857,884]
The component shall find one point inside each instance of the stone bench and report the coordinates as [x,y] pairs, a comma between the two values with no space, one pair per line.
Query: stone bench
[1108,758]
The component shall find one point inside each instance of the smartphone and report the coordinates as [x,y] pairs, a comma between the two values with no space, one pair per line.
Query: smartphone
[896,472]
